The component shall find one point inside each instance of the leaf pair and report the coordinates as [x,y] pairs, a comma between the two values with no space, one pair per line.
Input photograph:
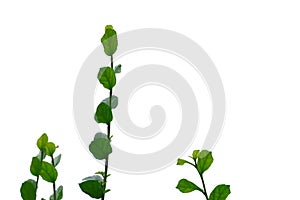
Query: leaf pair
[41,168]
[202,160]
[219,193]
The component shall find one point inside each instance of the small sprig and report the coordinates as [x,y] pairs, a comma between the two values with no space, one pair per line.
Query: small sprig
[100,147]
[46,170]
[202,160]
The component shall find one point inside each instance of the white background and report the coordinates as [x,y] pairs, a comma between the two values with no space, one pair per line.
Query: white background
[254,44]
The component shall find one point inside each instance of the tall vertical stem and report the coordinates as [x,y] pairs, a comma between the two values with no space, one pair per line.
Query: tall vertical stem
[108,133]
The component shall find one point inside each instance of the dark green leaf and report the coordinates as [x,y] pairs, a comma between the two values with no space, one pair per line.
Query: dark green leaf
[93,188]
[220,192]
[195,154]
[107,77]
[35,167]
[205,159]
[114,101]
[109,40]
[118,69]
[100,148]
[59,194]
[57,160]
[42,142]
[28,190]
[50,148]
[48,172]
[103,113]
[186,186]
[181,161]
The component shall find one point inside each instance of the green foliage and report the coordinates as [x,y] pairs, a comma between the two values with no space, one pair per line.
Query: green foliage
[42,142]
[118,69]
[114,101]
[40,168]
[195,154]
[100,148]
[57,160]
[103,113]
[95,177]
[186,186]
[93,188]
[35,167]
[59,194]
[205,160]
[107,77]
[202,161]
[100,135]
[41,155]
[181,161]
[28,190]
[50,148]
[220,192]
[109,40]
[48,172]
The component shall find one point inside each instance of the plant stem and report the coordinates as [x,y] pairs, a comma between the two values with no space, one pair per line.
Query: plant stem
[54,187]
[204,188]
[37,183]
[202,179]
[108,134]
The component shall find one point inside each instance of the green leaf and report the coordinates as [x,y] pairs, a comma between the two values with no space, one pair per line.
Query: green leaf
[220,192]
[48,172]
[102,174]
[100,135]
[100,148]
[59,194]
[28,190]
[50,148]
[41,155]
[107,77]
[93,188]
[35,166]
[42,142]
[195,154]
[95,178]
[118,68]
[57,160]
[186,186]
[109,40]
[181,161]
[114,101]
[205,159]
[103,114]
